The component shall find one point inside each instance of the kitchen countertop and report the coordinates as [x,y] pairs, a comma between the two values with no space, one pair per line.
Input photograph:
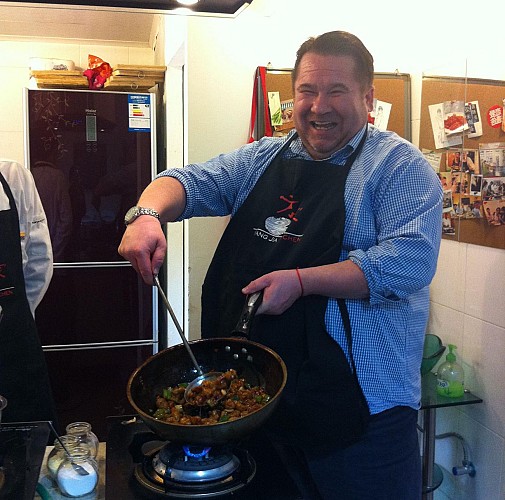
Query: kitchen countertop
[125,440]
[54,493]
[116,450]
[430,400]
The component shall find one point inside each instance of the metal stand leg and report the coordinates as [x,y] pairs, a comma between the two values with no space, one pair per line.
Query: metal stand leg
[429,453]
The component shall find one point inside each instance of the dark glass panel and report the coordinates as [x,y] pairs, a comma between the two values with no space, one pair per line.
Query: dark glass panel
[95,304]
[90,384]
[89,168]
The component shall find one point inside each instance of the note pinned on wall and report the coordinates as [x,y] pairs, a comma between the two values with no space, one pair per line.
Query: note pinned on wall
[274,106]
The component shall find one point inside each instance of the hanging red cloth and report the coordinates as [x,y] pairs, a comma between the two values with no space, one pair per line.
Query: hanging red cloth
[261,72]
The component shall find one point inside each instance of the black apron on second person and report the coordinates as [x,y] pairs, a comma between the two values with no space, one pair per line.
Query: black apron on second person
[293,217]
[24,379]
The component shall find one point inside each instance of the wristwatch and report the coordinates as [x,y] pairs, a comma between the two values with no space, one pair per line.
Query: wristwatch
[135,212]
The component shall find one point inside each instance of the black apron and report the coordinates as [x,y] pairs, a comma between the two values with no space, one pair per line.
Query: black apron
[293,217]
[24,380]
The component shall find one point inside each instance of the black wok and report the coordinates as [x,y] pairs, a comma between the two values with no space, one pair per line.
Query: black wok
[256,363]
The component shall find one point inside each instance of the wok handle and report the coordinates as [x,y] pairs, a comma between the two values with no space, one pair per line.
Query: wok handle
[252,302]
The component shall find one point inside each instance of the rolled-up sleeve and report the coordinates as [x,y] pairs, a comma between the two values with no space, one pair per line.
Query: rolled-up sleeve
[406,210]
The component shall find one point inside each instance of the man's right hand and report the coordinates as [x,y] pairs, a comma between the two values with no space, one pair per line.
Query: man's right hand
[144,245]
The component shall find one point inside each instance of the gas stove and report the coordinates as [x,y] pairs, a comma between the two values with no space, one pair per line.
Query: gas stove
[139,465]
[188,472]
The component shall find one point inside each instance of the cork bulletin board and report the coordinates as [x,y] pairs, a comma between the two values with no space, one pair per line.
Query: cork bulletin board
[488,93]
[279,80]
[440,89]
[393,88]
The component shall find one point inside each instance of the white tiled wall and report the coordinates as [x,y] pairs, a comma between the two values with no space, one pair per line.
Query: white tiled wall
[468,310]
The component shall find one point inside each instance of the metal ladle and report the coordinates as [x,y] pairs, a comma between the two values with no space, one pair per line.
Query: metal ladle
[202,377]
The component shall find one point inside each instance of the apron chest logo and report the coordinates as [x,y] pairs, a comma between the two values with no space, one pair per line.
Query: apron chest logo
[290,207]
[276,228]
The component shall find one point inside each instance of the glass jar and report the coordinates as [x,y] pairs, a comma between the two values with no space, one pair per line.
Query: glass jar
[70,481]
[85,435]
[57,454]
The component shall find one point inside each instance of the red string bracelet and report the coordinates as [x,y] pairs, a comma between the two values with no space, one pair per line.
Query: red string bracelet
[300,280]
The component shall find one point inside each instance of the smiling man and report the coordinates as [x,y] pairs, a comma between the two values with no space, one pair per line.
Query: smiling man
[332,100]
[339,224]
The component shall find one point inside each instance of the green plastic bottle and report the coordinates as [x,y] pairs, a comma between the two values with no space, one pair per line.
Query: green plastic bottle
[450,376]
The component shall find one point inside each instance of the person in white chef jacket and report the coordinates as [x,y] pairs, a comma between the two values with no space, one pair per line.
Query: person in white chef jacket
[26,268]
[34,232]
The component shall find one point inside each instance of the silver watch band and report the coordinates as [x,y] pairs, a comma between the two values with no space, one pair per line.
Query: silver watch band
[149,211]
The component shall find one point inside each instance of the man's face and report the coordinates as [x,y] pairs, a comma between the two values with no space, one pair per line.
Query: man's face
[330,105]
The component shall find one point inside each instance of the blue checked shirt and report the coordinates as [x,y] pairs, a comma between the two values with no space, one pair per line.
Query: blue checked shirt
[393,227]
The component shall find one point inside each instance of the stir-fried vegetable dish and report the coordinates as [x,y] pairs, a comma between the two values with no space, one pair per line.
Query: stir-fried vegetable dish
[223,399]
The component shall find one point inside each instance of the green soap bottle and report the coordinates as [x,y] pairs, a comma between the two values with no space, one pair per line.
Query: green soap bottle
[450,376]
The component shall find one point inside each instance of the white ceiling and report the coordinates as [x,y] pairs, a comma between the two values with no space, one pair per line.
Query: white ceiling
[90,24]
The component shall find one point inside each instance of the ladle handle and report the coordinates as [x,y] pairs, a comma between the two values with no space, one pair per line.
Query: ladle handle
[58,438]
[78,468]
[252,302]
[177,325]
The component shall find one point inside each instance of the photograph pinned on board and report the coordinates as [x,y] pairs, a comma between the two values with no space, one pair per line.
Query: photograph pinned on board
[476,185]
[437,125]
[475,210]
[471,210]
[464,160]
[284,115]
[274,106]
[447,202]
[434,159]
[448,225]
[465,184]
[493,188]
[379,116]
[445,180]
[453,158]
[492,159]
[457,210]
[494,212]
[456,182]
[287,113]
[470,161]
[454,117]
[472,115]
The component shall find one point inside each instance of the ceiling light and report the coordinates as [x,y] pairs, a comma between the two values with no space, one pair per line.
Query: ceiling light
[203,7]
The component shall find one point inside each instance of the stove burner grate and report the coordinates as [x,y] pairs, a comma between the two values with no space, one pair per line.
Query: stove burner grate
[170,472]
[189,465]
